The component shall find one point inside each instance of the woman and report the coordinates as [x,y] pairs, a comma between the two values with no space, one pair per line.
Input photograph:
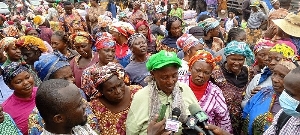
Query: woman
[112,102]
[137,14]
[93,13]
[136,69]
[209,95]
[162,90]
[20,104]
[102,26]
[60,42]
[190,45]
[55,66]
[30,31]
[261,50]
[106,48]
[31,49]
[13,53]
[275,55]
[272,28]
[232,78]
[121,31]
[143,28]
[82,42]
[260,110]
[176,11]
[7,124]
[174,28]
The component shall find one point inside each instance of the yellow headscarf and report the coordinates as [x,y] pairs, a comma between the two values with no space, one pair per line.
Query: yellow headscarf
[27,41]
[283,49]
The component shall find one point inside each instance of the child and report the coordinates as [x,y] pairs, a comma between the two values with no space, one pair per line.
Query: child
[231,21]
[275,4]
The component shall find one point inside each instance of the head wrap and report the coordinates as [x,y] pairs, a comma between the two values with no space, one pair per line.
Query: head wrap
[29,41]
[240,48]
[161,59]
[283,49]
[12,70]
[39,20]
[209,24]
[274,1]
[11,31]
[5,42]
[186,41]
[133,37]
[104,21]
[202,55]
[262,44]
[106,40]
[81,37]
[141,23]
[123,28]
[122,15]
[49,64]
[10,23]
[93,76]
[288,43]
[289,64]
[255,3]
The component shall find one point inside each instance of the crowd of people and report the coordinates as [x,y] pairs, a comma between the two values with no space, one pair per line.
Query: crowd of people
[85,70]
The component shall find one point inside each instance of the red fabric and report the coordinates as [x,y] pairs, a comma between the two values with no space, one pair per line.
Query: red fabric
[121,50]
[28,29]
[199,91]
[141,23]
[10,23]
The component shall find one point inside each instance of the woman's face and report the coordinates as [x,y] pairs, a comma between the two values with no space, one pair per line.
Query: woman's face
[143,30]
[273,59]
[262,56]
[241,37]
[276,5]
[174,6]
[139,47]
[58,44]
[30,56]
[201,72]
[33,33]
[113,89]
[115,35]
[106,55]
[22,84]
[13,52]
[215,32]
[176,29]
[93,3]
[235,63]
[279,73]
[84,49]
[64,73]
[166,78]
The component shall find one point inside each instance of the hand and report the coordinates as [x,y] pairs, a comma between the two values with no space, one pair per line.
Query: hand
[216,130]
[157,128]
[255,90]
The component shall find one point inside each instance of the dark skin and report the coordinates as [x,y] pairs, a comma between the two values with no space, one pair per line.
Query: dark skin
[22,84]
[260,57]
[116,95]
[93,4]
[273,59]
[86,54]
[235,63]
[2,57]
[157,128]
[192,51]
[277,78]
[119,38]
[166,78]
[139,49]
[58,44]
[176,29]
[291,84]
[13,52]
[106,55]
[33,33]
[68,9]
[143,30]
[32,55]
[1,114]
[201,72]
[64,73]
[212,33]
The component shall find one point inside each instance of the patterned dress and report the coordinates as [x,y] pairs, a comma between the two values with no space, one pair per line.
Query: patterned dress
[112,123]
[233,95]
[93,14]
[8,126]
[72,23]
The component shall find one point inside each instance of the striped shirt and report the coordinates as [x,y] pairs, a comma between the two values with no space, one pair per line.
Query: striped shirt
[291,127]
[255,19]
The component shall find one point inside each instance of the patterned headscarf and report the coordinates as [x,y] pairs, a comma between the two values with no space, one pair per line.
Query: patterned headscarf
[49,64]
[255,3]
[12,70]
[122,15]
[93,76]
[186,41]
[240,48]
[205,56]
[263,44]
[29,41]
[141,23]
[161,59]
[106,40]
[123,28]
[274,1]
[5,42]
[289,64]
[11,31]
[81,37]
[209,24]
[133,37]
[39,20]
[283,49]
[104,21]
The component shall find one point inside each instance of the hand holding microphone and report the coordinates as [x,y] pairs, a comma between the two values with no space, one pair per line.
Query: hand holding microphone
[173,124]
[157,128]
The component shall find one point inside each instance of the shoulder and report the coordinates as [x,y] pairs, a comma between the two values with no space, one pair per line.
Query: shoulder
[135,88]
[213,88]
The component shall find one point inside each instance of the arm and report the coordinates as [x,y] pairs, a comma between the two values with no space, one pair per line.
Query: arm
[249,88]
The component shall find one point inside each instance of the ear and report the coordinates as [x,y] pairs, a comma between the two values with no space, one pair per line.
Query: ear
[59,118]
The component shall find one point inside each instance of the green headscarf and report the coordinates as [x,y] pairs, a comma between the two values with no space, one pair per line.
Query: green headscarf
[161,59]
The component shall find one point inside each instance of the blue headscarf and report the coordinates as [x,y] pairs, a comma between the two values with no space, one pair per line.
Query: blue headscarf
[12,70]
[240,48]
[49,64]
[209,24]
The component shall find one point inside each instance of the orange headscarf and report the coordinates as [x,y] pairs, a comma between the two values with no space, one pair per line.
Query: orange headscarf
[206,56]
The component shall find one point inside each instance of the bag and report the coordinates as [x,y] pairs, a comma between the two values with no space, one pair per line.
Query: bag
[283,118]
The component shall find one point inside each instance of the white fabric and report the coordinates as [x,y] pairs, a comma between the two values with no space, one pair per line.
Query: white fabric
[229,24]
[183,72]
[78,130]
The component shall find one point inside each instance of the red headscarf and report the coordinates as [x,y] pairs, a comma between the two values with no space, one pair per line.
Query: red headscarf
[141,23]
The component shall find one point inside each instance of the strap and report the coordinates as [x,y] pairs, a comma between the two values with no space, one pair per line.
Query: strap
[283,118]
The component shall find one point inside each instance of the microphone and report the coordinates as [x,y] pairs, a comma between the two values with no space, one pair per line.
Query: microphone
[201,116]
[191,122]
[173,123]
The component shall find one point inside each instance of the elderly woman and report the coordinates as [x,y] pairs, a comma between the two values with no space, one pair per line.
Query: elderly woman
[121,31]
[174,28]
[112,99]
[232,78]
[190,45]
[209,95]
[162,90]
[136,69]
[60,42]
[275,55]
[260,110]
[30,31]
[82,42]
[20,104]
[144,28]
[261,50]
[13,53]
[55,66]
